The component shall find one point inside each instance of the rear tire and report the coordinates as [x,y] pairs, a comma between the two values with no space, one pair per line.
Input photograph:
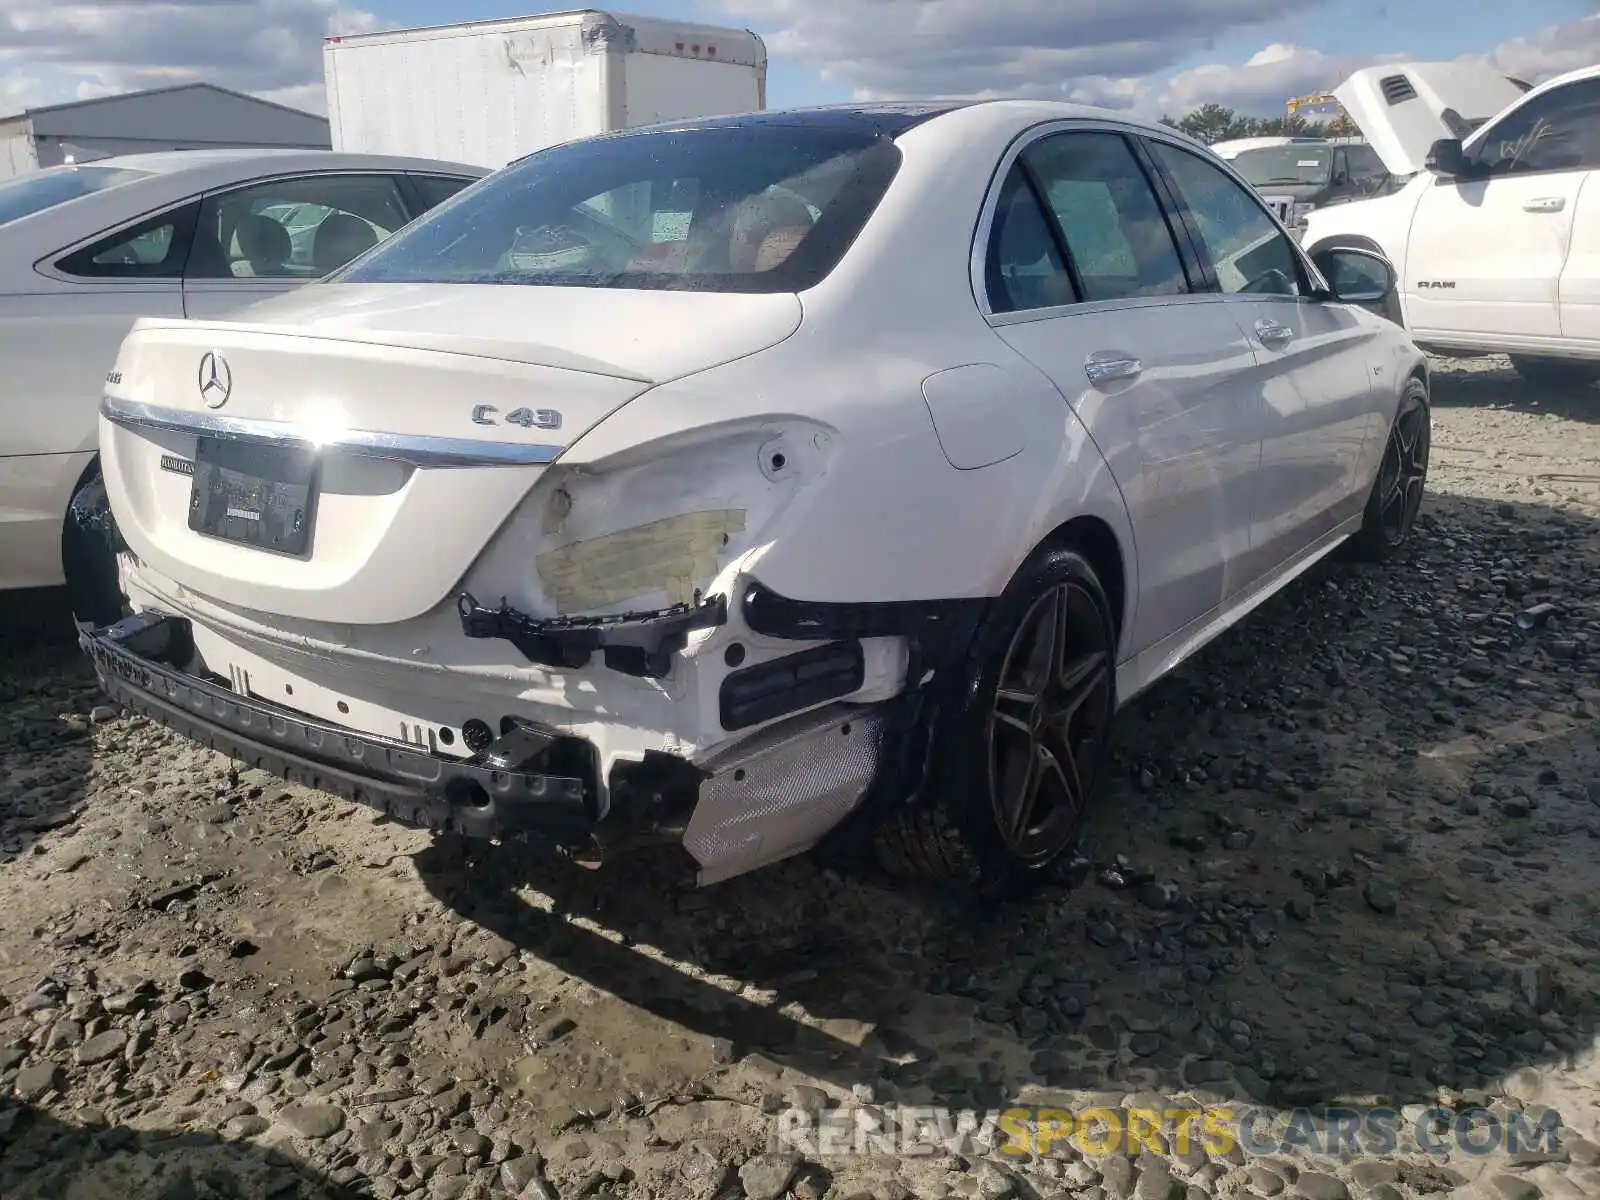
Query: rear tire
[1024,744]
[1396,496]
[1560,373]
[89,546]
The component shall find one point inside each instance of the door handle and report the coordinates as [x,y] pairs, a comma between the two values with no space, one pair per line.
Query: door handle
[1545,204]
[1107,366]
[1273,333]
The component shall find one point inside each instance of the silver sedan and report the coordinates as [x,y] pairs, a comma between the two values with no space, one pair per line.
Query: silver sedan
[87,249]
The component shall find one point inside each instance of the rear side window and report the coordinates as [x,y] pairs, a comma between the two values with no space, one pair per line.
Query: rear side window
[1024,268]
[1108,213]
[155,248]
[39,190]
[759,208]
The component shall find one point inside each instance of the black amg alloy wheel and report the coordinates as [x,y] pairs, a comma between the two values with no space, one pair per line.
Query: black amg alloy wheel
[1397,491]
[1018,758]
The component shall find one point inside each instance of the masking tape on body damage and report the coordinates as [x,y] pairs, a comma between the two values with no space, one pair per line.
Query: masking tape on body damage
[674,555]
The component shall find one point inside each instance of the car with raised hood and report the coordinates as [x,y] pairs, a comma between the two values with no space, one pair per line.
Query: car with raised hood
[717,482]
[1496,236]
[87,248]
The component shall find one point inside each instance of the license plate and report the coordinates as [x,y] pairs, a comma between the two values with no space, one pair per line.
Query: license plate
[260,496]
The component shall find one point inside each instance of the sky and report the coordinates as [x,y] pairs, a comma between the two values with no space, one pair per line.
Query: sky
[1147,56]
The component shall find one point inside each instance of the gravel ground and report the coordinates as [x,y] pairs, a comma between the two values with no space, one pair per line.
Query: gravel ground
[1346,858]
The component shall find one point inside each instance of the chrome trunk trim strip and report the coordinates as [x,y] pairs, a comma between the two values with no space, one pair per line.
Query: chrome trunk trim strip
[419,450]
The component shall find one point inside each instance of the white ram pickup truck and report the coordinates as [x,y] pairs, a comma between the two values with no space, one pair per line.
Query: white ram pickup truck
[1496,238]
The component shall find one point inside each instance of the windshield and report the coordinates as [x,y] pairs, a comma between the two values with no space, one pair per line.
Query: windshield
[763,207]
[39,190]
[1285,164]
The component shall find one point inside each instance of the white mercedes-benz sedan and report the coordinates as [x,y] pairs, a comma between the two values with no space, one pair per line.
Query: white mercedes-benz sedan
[715,481]
[87,249]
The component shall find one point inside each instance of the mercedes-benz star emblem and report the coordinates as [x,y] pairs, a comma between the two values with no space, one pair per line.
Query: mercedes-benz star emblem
[216,380]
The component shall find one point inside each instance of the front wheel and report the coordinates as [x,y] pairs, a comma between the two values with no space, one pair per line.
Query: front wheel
[1396,496]
[1558,373]
[1023,749]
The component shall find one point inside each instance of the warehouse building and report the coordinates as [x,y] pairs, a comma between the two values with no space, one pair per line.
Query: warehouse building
[191,116]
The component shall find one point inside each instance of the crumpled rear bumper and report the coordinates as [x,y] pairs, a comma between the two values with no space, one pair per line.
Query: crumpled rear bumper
[138,662]
[773,794]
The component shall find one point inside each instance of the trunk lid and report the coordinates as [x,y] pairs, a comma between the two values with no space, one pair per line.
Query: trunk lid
[652,336]
[424,440]
[1403,108]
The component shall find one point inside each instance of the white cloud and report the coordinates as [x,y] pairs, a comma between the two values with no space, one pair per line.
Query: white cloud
[19,91]
[1552,51]
[1086,50]
[1118,53]
[51,52]
[1261,84]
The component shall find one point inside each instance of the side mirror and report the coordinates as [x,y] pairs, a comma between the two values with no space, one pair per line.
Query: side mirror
[1357,276]
[1445,158]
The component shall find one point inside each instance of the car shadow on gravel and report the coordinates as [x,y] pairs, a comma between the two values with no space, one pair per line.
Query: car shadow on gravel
[1490,382]
[45,1158]
[47,691]
[1346,854]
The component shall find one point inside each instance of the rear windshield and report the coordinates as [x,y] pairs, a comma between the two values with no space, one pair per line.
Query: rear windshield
[39,190]
[764,207]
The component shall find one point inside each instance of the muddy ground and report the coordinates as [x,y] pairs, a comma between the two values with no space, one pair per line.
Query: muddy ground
[1347,856]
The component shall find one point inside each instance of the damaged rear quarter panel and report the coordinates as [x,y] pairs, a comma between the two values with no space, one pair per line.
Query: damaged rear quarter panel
[889,518]
[654,524]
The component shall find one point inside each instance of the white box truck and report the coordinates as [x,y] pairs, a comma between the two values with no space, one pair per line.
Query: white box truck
[487,92]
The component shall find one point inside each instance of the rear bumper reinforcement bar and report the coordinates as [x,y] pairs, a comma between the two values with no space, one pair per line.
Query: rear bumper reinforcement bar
[639,644]
[139,659]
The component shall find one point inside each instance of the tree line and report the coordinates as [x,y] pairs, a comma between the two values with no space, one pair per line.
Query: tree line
[1217,123]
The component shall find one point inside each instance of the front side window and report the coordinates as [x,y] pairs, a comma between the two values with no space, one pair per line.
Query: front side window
[1250,252]
[1558,131]
[1108,215]
[299,228]
[38,190]
[770,207]
[155,248]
